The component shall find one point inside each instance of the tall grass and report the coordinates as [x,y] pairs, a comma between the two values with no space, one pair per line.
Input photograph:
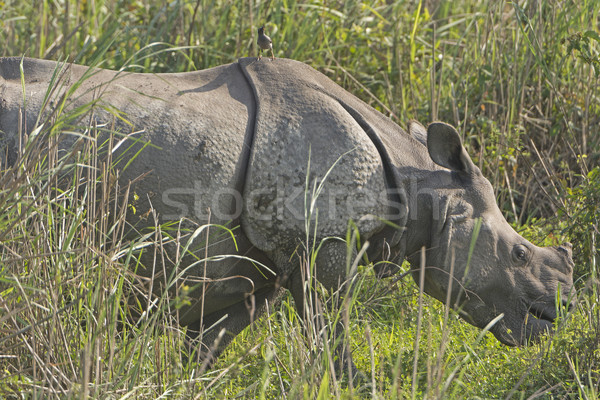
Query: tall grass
[504,73]
[73,322]
[63,279]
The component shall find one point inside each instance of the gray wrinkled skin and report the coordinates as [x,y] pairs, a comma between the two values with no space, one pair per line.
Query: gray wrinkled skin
[237,139]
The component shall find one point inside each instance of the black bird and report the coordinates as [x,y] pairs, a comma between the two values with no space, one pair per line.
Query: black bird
[264,43]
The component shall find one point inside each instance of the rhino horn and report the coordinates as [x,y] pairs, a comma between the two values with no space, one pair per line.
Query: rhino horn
[566,248]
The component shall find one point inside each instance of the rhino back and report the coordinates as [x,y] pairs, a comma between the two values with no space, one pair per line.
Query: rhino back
[301,128]
[195,125]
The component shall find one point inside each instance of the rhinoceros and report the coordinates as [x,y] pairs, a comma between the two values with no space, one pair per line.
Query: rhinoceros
[286,158]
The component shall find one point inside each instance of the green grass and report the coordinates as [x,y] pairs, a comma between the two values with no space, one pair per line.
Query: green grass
[518,81]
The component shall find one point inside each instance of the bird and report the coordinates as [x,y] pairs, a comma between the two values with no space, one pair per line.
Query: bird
[264,43]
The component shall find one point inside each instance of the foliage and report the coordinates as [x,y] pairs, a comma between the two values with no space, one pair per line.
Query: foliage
[583,43]
[583,210]
[518,79]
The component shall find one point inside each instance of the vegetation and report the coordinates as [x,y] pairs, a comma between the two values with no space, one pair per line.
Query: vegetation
[519,80]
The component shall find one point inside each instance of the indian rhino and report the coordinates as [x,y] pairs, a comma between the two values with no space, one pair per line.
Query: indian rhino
[248,144]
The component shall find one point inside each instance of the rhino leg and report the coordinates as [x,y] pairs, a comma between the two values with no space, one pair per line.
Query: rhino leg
[227,323]
[330,270]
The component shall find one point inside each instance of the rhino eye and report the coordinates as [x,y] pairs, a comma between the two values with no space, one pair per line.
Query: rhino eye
[520,254]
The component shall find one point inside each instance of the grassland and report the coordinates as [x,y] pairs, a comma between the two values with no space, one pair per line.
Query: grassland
[520,82]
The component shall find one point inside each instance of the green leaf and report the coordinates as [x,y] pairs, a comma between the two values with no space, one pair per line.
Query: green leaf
[592,35]
[324,389]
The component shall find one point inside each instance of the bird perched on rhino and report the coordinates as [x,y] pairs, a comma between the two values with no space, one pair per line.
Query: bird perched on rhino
[264,43]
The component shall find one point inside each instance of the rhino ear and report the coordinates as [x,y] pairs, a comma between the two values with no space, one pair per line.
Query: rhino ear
[446,149]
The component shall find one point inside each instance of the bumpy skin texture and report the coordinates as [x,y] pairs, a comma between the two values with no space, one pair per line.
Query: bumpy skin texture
[242,138]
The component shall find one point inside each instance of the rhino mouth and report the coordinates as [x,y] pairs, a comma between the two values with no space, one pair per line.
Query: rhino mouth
[543,312]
